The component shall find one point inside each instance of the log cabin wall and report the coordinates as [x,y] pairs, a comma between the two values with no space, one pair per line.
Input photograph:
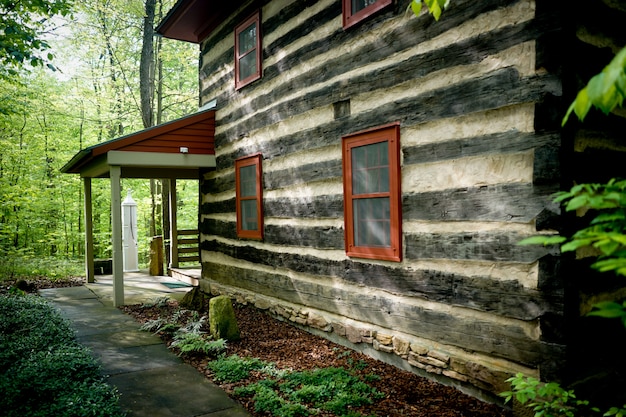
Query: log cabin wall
[480,147]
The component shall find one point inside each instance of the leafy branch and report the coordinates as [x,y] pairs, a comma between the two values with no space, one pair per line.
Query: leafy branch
[435,7]
[605,90]
[606,232]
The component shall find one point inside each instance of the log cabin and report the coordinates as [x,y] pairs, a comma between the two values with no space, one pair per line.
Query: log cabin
[375,170]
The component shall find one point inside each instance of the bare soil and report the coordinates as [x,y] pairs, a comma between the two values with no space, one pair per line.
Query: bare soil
[272,340]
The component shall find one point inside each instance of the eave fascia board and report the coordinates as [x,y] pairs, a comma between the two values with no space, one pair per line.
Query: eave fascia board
[160,160]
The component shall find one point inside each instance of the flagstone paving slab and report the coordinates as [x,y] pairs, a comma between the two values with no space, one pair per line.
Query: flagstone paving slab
[151,379]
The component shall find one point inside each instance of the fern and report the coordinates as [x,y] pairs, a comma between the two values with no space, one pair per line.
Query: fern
[194,342]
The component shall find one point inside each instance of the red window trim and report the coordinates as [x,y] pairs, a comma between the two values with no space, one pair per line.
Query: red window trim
[254,18]
[390,134]
[350,19]
[255,160]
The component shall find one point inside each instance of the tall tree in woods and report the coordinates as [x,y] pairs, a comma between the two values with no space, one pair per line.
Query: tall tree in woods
[93,96]
[147,65]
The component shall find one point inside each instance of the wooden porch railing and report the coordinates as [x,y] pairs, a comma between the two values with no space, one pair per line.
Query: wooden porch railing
[187,248]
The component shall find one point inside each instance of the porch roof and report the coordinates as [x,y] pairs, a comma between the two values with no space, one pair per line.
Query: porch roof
[177,149]
[193,20]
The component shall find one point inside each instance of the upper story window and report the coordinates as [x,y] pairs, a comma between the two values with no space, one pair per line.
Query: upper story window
[249,197]
[355,11]
[372,206]
[248,51]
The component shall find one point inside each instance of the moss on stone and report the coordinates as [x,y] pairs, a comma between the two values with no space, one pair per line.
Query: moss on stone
[222,321]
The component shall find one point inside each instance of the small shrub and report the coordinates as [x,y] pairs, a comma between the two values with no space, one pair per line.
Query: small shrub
[304,393]
[235,368]
[43,370]
[546,399]
[193,342]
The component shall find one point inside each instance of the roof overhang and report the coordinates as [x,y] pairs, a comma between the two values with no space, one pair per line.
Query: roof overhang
[193,20]
[178,149]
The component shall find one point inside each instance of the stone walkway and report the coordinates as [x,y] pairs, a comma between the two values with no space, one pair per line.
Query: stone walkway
[152,381]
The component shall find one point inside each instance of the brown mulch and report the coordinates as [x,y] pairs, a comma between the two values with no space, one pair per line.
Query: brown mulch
[287,346]
[272,340]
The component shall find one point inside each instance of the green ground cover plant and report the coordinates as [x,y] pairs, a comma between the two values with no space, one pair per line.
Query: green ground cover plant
[43,370]
[286,393]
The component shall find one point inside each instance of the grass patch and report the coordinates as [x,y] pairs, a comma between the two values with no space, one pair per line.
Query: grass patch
[285,393]
[43,370]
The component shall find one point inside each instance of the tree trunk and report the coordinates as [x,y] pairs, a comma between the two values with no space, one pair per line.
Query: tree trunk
[146,65]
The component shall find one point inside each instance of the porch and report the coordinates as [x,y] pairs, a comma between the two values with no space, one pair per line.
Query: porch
[177,150]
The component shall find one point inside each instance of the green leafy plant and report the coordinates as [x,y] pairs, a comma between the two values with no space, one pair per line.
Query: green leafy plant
[193,342]
[605,90]
[605,237]
[435,7]
[606,232]
[43,369]
[546,399]
[331,389]
[159,325]
[235,368]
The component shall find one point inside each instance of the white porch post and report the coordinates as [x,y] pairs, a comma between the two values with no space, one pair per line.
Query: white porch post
[89,270]
[116,236]
[173,225]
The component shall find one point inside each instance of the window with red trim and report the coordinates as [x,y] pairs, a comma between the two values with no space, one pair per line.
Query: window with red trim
[355,11]
[371,182]
[249,197]
[248,51]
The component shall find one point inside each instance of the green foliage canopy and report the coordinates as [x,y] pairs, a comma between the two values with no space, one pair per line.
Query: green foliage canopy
[21,26]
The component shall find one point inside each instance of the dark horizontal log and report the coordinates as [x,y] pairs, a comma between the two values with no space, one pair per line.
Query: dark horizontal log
[326,206]
[317,171]
[464,53]
[506,341]
[505,203]
[484,246]
[501,88]
[406,36]
[501,202]
[220,228]
[507,299]
[502,142]
[312,237]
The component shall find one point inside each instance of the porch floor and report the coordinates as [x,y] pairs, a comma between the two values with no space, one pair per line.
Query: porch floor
[140,287]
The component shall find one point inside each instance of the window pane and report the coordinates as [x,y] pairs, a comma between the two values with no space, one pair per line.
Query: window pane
[370,169]
[372,222]
[358,5]
[247,39]
[247,181]
[248,215]
[247,66]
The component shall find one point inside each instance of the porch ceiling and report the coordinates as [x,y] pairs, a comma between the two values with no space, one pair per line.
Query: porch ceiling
[177,149]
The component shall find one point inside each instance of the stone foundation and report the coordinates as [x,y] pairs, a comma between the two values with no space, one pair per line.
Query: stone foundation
[477,375]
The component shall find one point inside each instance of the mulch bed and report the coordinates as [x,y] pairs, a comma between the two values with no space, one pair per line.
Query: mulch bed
[272,340]
[287,346]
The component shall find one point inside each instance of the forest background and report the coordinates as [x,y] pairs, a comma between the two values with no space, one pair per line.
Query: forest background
[105,75]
